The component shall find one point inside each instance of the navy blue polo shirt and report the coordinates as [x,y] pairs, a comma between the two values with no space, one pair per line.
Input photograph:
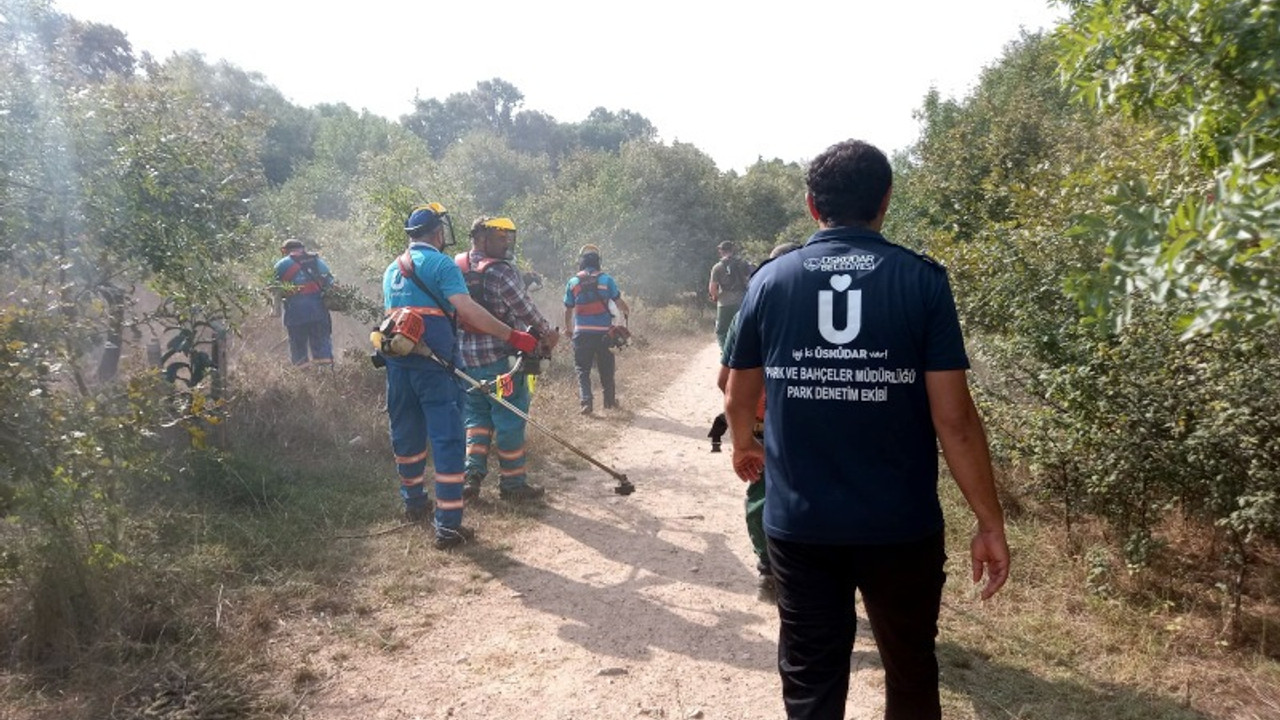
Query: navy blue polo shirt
[845,329]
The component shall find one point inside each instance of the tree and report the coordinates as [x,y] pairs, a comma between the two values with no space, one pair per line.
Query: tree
[111,181]
[1204,232]
[98,52]
[605,130]
[495,173]
[490,106]
[537,133]
[497,101]
[656,211]
[767,206]
[290,130]
[1127,424]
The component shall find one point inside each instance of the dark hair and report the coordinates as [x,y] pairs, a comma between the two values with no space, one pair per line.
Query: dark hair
[589,261]
[848,181]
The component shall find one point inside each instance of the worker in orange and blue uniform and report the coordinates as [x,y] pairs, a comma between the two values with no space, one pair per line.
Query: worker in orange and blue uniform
[499,288]
[424,398]
[303,277]
[587,297]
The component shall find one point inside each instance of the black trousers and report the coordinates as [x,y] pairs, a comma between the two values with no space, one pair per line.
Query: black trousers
[901,588]
[590,349]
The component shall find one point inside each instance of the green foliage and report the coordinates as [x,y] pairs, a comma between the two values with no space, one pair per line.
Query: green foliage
[654,210]
[605,130]
[675,319]
[766,206]
[67,463]
[289,131]
[347,299]
[494,173]
[1215,251]
[165,183]
[1208,73]
[185,177]
[492,108]
[1133,424]
[113,181]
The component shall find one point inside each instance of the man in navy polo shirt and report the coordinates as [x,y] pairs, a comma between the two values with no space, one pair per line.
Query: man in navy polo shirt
[858,348]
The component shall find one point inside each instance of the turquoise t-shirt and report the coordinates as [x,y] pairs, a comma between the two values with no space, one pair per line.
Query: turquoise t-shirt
[439,273]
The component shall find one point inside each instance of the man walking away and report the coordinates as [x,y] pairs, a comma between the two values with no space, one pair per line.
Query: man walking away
[727,286]
[856,342]
[424,294]
[754,504]
[586,310]
[303,277]
[498,287]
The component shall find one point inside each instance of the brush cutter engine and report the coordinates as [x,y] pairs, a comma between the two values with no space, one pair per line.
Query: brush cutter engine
[617,337]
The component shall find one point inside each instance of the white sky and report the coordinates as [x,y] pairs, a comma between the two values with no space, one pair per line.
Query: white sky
[740,80]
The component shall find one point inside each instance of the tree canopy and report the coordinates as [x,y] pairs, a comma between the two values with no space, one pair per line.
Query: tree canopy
[1204,232]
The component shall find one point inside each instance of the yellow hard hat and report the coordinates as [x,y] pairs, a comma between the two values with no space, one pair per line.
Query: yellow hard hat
[589,248]
[500,223]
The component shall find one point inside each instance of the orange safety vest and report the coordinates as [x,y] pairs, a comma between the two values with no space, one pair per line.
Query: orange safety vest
[304,289]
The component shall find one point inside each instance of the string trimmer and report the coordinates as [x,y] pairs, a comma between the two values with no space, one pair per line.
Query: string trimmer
[624,486]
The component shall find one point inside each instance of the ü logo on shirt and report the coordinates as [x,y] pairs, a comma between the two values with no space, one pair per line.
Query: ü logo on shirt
[826,311]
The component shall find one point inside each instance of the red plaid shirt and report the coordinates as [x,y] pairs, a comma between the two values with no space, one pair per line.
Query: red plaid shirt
[504,290]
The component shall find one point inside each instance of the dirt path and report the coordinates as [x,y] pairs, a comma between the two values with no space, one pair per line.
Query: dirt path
[608,607]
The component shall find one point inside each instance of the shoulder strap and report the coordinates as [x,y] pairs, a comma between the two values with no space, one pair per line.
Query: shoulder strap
[463,261]
[291,271]
[736,270]
[489,262]
[588,296]
[584,286]
[310,266]
[406,269]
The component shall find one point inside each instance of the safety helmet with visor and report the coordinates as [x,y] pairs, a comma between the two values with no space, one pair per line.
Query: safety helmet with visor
[424,219]
[495,237]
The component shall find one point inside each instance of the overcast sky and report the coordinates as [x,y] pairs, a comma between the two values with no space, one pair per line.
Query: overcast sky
[738,80]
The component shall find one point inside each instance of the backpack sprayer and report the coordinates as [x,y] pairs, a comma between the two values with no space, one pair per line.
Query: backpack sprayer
[396,337]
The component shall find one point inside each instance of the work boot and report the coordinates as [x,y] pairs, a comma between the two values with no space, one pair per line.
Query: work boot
[471,487]
[449,538]
[612,405]
[585,410]
[521,493]
[418,513]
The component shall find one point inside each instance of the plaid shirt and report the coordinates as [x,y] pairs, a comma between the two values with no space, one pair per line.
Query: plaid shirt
[504,290]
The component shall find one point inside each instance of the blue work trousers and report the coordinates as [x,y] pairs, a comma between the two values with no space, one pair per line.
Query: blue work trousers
[425,404]
[311,342]
[491,426]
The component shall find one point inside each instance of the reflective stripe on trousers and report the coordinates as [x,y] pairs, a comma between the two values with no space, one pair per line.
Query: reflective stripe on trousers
[424,406]
[491,425]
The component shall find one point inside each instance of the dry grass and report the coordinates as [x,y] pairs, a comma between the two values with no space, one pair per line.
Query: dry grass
[1048,647]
